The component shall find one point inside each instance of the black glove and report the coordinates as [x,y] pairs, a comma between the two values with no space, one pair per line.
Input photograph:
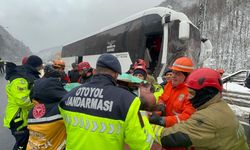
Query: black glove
[162,109]
[155,119]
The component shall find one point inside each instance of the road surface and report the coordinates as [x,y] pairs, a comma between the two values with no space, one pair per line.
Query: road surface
[6,139]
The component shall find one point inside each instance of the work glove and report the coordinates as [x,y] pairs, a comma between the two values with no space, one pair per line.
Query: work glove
[156,119]
[162,109]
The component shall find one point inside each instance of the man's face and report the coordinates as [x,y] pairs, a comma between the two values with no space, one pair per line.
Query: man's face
[178,78]
[168,76]
[140,76]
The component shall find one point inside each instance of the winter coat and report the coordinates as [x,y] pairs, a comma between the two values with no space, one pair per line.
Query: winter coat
[20,80]
[45,124]
[213,126]
[73,75]
[178,106]
[100,115]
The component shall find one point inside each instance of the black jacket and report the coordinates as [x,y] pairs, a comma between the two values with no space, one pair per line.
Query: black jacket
[25,71]
[73,75]
[247,82]
[48,90]
[116,100]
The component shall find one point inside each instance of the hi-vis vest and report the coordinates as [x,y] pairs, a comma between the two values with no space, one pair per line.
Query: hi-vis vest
[19,102]
[46,128]
[99,115]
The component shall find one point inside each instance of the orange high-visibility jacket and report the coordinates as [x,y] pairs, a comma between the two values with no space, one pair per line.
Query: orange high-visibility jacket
[178,106]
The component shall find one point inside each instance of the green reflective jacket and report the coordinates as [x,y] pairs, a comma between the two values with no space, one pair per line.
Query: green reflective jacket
[158,92]
[104,133]
[19,102]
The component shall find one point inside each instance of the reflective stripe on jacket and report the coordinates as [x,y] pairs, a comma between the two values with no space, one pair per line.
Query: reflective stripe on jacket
[18,102]
[46,128]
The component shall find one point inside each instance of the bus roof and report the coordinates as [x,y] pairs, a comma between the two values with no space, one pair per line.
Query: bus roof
[161,11]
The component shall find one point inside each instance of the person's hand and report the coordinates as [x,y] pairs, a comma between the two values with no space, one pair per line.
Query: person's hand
[156,119]
[161,108]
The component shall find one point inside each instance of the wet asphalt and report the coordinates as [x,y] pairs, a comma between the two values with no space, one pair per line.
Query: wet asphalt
[6,139]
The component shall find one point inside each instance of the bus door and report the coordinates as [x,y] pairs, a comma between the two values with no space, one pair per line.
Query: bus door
[153,48]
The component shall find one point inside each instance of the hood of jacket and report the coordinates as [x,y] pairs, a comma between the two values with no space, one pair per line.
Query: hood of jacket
[13,71]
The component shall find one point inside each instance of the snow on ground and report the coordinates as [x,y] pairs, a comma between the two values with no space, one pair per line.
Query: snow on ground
[239,110]
[235,87]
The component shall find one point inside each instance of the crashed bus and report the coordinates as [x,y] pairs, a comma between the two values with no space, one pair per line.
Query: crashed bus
[158,35]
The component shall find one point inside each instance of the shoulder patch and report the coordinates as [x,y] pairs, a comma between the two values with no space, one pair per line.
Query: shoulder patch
[39,111]
[181,97]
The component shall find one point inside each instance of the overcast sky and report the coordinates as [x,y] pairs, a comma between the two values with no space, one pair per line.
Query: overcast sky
[42,24]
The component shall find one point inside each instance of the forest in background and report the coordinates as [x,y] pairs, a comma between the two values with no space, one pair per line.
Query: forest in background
[226,24]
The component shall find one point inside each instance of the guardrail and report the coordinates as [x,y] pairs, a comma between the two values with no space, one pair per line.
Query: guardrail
[238,99]
[238,76]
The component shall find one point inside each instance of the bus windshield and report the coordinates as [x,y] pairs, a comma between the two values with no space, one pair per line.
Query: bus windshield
[177,48]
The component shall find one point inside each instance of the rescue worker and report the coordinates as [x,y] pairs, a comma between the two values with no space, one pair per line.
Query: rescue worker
[146,90]
[166,77]
[100,115]
[74,74]
[85,71]
[213,126]
[45,124]
[60,66]
[20,81]
[174,102]
[150,79]
[49,71]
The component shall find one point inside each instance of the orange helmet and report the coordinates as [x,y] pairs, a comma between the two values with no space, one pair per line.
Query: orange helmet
[83,65]
[183,64]
[58,63]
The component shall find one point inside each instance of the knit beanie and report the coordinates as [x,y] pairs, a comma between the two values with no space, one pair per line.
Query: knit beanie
[34,61]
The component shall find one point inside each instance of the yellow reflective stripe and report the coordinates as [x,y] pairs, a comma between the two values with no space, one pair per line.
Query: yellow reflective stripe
[93,125]
[157,131]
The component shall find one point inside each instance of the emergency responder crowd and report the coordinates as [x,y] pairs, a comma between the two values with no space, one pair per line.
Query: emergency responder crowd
[90,108]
